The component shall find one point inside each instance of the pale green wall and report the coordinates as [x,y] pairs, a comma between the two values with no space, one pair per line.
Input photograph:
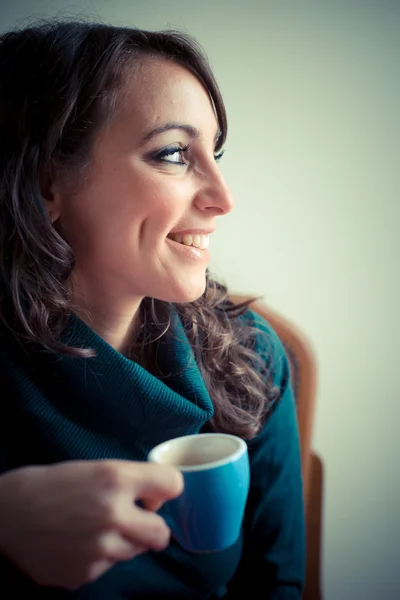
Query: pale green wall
[313,157]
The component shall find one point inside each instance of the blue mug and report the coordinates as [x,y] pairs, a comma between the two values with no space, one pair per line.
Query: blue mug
[208,515]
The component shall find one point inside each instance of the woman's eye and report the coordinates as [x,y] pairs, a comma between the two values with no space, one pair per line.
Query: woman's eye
[172,155]
[176,155]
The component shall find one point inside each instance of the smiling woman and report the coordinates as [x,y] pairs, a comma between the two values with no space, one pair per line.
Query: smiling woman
[162,182]
[113,335]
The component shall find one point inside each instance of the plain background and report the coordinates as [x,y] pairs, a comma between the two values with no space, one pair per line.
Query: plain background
[313,157]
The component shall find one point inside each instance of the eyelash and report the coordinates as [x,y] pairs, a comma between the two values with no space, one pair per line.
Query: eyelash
[178,149]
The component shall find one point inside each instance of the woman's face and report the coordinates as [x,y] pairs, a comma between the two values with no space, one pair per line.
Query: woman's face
[154,187]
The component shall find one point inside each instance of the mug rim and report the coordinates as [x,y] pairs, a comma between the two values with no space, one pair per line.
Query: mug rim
[213,464]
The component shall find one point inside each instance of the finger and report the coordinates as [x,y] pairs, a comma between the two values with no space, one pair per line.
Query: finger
[152,504]
[145,529]
[79,577]
[154,482]
[98,568]
[113,547]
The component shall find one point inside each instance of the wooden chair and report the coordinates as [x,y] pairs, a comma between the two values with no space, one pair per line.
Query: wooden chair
[303,371]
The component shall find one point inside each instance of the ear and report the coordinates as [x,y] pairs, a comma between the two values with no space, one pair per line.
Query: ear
[51,198]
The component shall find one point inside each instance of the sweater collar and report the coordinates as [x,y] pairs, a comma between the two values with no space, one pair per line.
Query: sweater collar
[133,403]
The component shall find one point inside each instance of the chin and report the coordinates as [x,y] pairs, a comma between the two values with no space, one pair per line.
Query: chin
[181,294]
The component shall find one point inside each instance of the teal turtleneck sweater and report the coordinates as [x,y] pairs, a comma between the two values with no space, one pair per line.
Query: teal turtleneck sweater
[57,408]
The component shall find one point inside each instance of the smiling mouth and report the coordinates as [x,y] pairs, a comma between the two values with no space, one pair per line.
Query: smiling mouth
[198,240]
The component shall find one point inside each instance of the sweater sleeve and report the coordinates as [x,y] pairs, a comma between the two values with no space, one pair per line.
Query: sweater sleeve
[273,559]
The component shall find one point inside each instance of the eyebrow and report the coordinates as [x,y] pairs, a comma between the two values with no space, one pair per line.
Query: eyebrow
[189,129]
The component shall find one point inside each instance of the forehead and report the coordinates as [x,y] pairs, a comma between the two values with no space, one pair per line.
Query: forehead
[158,91]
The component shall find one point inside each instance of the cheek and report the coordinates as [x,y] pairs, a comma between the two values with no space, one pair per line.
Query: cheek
[160,204]
[128,210]
[101,211]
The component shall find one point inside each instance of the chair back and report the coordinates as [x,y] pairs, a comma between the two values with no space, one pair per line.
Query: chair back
[303,372]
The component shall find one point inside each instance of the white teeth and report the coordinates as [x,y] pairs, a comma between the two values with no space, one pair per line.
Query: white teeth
[200,241]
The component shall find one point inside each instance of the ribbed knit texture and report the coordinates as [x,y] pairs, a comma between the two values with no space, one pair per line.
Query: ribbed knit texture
[59,408]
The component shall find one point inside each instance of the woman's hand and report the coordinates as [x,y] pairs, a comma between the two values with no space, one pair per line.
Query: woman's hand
[66,524]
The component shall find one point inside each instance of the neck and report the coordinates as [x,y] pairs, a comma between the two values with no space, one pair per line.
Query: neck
[112,316]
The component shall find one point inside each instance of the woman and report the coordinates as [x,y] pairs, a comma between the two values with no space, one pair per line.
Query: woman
[113,335]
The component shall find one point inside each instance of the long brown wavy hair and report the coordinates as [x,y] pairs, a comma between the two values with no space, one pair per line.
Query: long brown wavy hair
[59,83]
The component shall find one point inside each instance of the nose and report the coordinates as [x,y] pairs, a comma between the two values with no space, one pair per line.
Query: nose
[214,194]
